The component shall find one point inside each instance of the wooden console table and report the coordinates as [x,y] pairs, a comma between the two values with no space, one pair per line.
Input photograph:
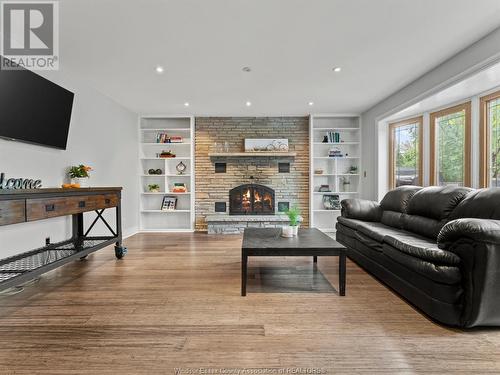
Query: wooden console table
[20,206]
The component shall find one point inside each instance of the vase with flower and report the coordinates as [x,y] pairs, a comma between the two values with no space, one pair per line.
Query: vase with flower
[79,175]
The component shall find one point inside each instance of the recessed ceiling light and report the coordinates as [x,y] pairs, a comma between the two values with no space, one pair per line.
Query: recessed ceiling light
[337,69]
[247,69]
[248,104]
[310,104]
[186,104]
[159,69]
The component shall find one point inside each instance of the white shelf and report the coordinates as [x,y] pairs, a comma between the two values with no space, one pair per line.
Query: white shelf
[165,144]
[334,192]
[152,218]
[164,193]
[176,158]
[336,157]
[349,128]
[337,129]
[335,174]
[165,175]
[166,211]
[335,143]
[165,129]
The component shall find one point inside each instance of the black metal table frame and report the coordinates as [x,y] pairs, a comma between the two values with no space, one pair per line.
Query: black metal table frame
[79,236]
[314,252]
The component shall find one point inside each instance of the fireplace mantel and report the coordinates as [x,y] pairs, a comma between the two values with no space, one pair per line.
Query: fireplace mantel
[270,154]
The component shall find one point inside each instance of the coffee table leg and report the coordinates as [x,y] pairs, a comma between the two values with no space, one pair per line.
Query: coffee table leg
[342,261]
[244,261]
[315,259]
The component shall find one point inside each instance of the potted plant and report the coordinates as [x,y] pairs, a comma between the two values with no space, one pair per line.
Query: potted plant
[346,184]
[79,175]
[293,228]
[154,188]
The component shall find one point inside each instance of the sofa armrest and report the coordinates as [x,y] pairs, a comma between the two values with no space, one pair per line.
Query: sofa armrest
[477,243]
[478,230]
[361,209]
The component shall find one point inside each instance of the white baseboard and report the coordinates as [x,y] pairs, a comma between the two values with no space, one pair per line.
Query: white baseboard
[130,232]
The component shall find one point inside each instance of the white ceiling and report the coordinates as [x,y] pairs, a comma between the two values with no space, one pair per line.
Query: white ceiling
[291,46]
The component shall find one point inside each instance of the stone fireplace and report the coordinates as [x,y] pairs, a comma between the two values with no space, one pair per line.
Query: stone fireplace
[251,199]
[282,181]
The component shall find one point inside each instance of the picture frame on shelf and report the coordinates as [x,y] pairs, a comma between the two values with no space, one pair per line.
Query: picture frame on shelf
[169,203]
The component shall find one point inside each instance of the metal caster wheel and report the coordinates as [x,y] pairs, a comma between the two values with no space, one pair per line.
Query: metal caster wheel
[120,251]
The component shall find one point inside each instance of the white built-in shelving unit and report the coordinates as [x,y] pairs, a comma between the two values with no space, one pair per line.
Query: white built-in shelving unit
[152,218]
[335,169]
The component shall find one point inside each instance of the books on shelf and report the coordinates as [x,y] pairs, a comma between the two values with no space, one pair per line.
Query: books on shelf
[165,138]
[335,153]
[179,187]
[332,137]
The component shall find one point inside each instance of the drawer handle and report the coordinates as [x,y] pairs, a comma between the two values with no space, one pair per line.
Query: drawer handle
[107,201]
[50,207]
[81,204]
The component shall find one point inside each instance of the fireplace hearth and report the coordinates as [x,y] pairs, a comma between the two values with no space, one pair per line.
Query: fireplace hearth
[251,199]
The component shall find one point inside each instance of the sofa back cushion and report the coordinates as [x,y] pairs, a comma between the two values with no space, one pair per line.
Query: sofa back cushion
[397,199]
[392,219]
[479,204]
[424,226]
[436,202]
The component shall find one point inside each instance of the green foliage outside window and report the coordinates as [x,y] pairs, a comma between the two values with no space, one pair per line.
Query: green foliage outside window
[494,122]
[451,143]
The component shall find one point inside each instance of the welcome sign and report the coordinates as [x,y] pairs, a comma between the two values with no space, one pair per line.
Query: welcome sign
[19,183]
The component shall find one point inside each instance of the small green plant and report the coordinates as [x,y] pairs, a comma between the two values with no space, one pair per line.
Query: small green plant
[154,187]
[79,171]
[293,214]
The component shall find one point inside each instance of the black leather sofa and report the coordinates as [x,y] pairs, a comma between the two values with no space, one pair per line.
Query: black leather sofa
[439,247]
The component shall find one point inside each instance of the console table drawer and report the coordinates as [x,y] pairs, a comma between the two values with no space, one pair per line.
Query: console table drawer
[106,201]
[37,209]
[12,212]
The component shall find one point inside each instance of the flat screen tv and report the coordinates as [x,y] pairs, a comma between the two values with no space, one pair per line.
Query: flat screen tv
[33,109]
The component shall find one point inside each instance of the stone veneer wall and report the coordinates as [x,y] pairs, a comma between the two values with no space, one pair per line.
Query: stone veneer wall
[214,187]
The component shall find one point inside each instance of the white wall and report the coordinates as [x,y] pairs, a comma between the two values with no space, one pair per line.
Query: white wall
[474,58]
[102,134]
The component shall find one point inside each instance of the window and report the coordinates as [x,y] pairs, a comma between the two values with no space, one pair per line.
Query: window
[489,156]
[405,156]
[450,146]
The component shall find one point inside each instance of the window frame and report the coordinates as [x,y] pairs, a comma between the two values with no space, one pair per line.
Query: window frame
[467,141]
[484,139]
[392,127]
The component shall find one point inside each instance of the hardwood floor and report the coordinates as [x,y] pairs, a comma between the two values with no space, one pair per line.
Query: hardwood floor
[174,302]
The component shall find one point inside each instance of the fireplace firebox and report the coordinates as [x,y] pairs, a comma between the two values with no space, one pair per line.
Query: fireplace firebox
[251,199]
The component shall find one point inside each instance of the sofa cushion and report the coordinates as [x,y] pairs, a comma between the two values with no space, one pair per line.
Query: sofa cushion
[421,248]
[392,219]
[436,202]
[479,204]
[348,231]
[374,230]
[445,274]
[377,231]
[361,209]
[350,223]
[397,199]
[369,243]
[423,225]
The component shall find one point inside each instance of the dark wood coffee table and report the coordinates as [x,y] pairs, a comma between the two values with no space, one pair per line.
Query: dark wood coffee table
[310,242]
